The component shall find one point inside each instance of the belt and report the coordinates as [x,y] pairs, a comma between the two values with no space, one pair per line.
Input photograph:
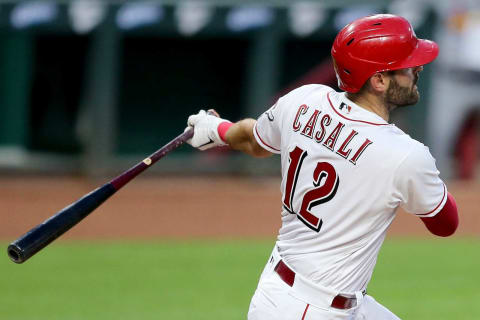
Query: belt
[288,276]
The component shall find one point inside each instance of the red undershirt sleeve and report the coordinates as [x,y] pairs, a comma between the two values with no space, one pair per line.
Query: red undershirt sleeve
[445,222]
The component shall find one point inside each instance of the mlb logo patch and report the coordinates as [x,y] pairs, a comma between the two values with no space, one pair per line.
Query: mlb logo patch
[345,107]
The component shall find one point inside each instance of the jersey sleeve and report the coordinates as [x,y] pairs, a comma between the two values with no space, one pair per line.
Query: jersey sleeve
[418,185]
[267,130]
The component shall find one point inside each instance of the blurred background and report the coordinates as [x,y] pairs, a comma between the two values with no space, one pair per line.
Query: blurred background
[88,88]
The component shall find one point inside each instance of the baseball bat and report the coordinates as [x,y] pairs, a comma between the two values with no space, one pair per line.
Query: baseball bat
[43,234]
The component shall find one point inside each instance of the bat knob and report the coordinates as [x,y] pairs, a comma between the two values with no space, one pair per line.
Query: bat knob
[15,253]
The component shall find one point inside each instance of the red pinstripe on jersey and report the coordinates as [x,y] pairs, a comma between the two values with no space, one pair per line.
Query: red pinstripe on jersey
[305,312]
[441,201]
[256,130]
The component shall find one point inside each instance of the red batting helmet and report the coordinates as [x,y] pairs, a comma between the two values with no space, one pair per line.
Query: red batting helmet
[377,43]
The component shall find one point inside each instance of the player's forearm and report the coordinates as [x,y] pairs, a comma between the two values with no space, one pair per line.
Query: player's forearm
[240,137]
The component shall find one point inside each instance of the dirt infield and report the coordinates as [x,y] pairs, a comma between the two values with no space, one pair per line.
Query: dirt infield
[161,207]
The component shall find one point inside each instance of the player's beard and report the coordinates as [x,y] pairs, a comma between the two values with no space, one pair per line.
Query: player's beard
[399,96]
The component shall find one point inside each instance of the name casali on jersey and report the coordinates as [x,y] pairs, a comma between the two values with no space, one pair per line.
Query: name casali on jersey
[310,130]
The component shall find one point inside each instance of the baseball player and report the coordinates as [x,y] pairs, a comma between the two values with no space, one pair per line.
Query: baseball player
[345,171]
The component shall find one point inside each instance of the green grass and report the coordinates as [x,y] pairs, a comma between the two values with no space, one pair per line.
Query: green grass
[429,279]
[417,279]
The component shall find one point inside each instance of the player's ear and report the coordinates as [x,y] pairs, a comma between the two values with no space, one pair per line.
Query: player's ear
[379,82]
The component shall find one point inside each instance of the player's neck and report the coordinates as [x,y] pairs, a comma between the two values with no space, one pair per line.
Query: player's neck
[371,103]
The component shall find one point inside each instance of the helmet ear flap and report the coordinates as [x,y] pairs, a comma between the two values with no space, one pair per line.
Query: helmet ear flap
[335,67]
[344,77]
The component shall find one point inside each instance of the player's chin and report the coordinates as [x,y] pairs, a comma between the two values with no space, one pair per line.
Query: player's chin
[415,95]
[410,100]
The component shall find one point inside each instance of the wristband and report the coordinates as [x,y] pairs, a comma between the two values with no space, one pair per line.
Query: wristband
[223,128]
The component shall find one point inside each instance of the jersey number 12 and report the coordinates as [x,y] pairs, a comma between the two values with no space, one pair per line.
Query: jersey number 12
[312,198]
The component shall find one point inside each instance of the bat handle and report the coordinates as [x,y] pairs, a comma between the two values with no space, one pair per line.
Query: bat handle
[125,177]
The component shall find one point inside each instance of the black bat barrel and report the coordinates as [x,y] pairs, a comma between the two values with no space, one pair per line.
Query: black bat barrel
[40,236]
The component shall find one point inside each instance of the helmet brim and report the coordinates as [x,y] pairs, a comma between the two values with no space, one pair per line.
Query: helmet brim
[426,52]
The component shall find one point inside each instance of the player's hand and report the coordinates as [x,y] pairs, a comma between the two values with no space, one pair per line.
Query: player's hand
[205,127]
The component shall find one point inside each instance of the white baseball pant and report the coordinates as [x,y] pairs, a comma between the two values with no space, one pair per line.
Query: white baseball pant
[274,299]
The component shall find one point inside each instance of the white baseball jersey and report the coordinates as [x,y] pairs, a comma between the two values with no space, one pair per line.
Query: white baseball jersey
[345,171]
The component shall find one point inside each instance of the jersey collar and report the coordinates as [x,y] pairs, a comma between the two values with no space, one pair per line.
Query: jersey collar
[351,111]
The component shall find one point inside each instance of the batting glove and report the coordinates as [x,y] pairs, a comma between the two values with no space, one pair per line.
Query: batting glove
[205,130]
